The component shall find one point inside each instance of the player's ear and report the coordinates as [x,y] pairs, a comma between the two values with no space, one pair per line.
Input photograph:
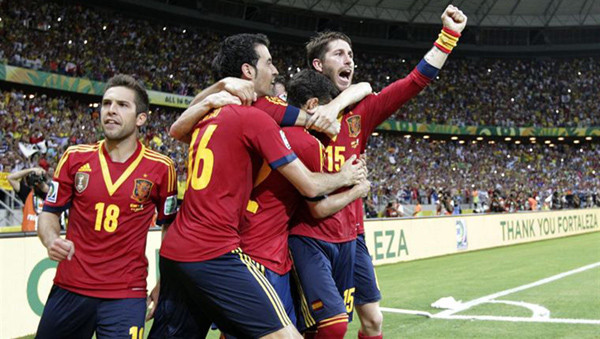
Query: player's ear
[248,71]
[317,65]
[312,103]
[140,119]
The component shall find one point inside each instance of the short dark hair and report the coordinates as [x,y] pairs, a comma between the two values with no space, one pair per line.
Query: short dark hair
[317,45]
[310,84]
[124,80]
[235,51]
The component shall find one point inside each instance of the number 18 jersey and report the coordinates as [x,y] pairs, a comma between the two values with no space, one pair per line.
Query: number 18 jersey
[111,206]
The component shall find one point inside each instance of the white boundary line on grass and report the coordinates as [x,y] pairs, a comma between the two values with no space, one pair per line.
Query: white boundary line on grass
[450,314]
[487,298]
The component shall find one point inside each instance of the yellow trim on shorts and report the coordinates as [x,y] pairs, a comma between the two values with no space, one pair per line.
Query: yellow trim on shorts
[309,321]
[266,286]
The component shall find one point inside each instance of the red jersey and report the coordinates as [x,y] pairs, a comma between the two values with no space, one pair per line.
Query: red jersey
[264,227]
[356,127]
[226,152]
[111,206]
[284,114]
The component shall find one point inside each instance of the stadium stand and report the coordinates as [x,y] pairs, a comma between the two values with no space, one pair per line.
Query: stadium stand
[84,42]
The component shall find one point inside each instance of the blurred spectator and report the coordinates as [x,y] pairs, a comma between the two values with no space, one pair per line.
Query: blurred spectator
[31,187]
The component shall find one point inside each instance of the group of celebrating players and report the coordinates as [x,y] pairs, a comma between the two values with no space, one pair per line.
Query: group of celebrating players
[269,240]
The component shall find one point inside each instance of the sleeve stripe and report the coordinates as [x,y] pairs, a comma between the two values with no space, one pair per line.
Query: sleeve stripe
[282,161]
[171,170]
[427,70]
[157,155]
[290,116]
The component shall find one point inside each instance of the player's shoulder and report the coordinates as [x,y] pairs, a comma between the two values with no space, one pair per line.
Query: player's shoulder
[81,150]
[269,100]
[300,138]
[158,158]
[78,156]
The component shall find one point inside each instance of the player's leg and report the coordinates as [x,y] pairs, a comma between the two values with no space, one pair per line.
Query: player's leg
[281,284]
[173,317]
[322,306]
[121,318]
[367,294]
[67,315]
[236,294]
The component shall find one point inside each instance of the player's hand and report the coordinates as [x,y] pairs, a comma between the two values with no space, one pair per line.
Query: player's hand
[353,171]
[61,249]
[454,19]
[324,119]
[152,301]
[221,99]
[243,89]
[363,188]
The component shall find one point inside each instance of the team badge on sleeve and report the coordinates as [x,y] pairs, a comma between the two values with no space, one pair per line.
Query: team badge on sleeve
[171,205]
[81,181]
[52,192]
[285,140]
[354,126]
[141,190]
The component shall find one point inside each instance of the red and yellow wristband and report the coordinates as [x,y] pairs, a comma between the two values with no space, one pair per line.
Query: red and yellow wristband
[447,40]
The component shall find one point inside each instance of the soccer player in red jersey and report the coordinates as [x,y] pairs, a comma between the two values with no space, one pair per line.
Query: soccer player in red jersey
[112,190]
[205,276]
[264,227]
[331,53]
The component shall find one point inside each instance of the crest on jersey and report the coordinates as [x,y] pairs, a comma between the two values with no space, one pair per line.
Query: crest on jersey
[276,101]
[81,181]
[141,190]
[353,125]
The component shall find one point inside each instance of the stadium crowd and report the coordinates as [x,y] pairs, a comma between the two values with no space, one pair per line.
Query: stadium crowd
[414,170]
[80,41]
[36,129]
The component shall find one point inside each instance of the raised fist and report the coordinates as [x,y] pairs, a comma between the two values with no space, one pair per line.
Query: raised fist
[454,19]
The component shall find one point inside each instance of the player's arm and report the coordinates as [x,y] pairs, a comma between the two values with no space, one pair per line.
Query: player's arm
[315,184]
[243,89]
[324,118]
[454,22]
[333,203]
[49,233]
[181,129]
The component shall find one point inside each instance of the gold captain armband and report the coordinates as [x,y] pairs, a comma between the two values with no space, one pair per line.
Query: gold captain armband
[447,40]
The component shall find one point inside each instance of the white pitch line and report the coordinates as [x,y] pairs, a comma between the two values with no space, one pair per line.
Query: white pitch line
[519,319]
[487,298]
[494,318]
[401,311]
